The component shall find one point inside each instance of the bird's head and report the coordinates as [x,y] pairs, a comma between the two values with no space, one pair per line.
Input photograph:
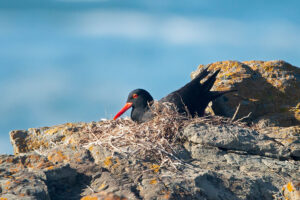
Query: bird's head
[138,98]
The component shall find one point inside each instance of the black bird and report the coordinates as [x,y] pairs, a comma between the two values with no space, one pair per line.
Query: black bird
[192,98]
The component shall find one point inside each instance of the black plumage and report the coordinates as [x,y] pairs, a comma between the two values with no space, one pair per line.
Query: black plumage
[192,98]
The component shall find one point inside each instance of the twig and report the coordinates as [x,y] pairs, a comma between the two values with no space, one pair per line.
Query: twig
[244,117]
[235,113]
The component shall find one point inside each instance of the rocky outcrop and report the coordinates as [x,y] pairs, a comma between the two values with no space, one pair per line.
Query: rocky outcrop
[169,157]
[269,90]
[216,162]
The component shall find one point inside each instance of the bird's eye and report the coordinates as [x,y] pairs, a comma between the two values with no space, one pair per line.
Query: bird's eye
[135,96]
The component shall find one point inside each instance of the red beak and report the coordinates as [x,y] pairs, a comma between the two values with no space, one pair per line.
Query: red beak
[126,107]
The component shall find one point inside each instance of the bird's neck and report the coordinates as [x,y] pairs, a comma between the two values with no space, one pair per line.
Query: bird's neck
[138,113]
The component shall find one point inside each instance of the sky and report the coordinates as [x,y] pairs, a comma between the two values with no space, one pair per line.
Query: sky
[77,60]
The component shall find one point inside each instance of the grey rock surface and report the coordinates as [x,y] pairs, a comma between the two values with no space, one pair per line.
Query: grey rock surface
[217,162]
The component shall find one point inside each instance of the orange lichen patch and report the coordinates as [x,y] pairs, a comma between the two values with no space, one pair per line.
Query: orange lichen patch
[58,156]
[155,168]
[16,181]
[108,161]
[42,164]
[290,187]
[166,194]
[53,130]
[89,198]
[2,198]
[50,168]
[117,163]
[60,128]
[14,170]
[5,176]
[91,148]
[77,157]
[153,181]
[7,183]
[9,160]
[34,157]
[35,144]
[291,191]
[63,138]
[112,197]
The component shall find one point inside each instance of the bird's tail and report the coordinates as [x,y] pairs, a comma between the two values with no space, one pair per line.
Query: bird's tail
[201,75]
[207,85]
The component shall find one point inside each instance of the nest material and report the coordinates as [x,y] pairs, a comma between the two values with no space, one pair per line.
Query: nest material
[154,140]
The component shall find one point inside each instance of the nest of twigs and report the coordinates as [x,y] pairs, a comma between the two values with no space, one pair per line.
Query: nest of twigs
[155,140]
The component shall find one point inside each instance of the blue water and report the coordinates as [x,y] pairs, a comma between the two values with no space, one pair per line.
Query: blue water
[76,60]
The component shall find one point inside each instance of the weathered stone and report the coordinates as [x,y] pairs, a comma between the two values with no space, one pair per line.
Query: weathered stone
[46,137]
[20,177]
[269,90]
[236,139]
[229,162]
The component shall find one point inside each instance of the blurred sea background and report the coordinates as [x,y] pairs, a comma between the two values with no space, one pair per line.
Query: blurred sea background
[77,60]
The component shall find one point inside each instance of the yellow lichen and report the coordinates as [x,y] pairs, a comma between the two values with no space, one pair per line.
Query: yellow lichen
[108,161]
[13,170]
[89,198]
[42,164]
[50,168]
[63,138]
[155,168]
[91,148]
[290,187]
[153,181]
[53,130]
[57,157]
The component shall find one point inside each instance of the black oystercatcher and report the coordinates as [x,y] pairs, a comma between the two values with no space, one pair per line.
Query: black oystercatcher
[193,97]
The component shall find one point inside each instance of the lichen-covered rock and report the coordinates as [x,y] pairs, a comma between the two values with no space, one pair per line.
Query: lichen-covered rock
[269,90]
[226,162]
[21,177]
[291,191]
[46,137]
